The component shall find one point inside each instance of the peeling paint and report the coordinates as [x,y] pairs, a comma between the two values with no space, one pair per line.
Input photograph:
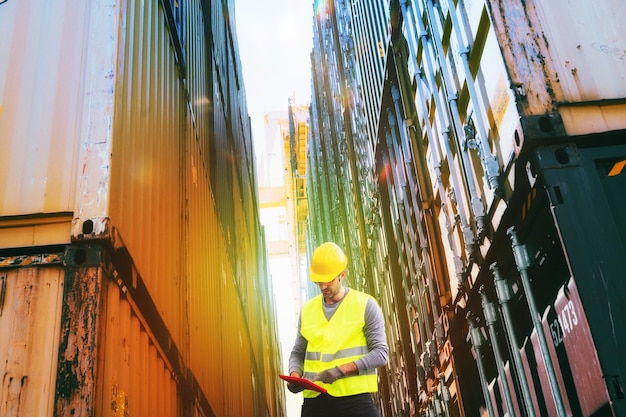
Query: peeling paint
[527,55]
[76,373]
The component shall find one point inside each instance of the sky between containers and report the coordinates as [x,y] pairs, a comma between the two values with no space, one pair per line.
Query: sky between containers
[275,38]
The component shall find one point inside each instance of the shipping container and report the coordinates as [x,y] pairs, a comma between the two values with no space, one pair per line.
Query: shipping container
[133,270]
[478,181]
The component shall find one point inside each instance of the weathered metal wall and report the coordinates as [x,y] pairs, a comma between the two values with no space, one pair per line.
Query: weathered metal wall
[566,62]
[115,120]
[135,376]
[474,95]
[223,342]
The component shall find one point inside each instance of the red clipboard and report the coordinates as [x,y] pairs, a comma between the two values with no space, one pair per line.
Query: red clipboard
[303,383]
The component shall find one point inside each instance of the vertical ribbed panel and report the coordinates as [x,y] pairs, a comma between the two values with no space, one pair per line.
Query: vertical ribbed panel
[204,271]
[41,68]
[146,171]
[468,92]
[371,37]
[134,375]
[219,344]
[153,168]
[223,154]
[199,80]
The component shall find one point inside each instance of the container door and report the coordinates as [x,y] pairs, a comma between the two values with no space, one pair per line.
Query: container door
[580,350]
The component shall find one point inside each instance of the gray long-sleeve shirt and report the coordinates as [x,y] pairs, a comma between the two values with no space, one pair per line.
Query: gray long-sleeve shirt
[374,330]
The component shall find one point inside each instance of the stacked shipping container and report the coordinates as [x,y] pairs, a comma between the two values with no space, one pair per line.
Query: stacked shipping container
[475,152]
[132,264]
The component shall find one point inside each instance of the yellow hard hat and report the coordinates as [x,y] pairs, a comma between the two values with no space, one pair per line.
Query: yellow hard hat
[327,262]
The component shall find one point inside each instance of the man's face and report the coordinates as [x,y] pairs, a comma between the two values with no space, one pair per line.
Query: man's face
[332,288]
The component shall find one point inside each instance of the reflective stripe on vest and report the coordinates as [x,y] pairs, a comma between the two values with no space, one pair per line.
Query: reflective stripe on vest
[336,342]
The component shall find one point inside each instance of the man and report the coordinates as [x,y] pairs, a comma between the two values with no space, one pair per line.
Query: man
[341,341]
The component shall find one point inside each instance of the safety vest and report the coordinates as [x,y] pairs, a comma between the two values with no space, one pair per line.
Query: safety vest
[335,342]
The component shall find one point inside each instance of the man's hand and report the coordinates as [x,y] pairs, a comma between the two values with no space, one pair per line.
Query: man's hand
[329,375]
[294,388]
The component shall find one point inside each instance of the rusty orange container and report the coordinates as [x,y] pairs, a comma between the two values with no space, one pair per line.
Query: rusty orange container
[132,281]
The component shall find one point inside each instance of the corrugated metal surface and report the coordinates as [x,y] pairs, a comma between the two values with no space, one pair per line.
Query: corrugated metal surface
[30,315]
[207,275]
[470,91]
[463,99]
[369,25]
[144,175]
[112,340]
[134,376]
[146,206]
[223,153]
[219,344]
[41,94]
[199,80]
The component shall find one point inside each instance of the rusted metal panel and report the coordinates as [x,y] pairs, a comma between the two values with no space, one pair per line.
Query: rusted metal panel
[561,54]
[519,32]
[78,354]
[166,304]
[30,317]
[116,354]
[581,352]
[32,260]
